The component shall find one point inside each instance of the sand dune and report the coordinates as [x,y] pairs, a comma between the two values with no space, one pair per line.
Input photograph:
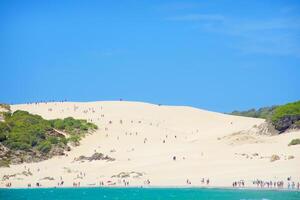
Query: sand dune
[144,138]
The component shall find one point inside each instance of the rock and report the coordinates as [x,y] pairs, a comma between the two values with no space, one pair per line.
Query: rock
[95,156]
[57,151]
[266,128]
[274,158]
[47,178]
[291,157]
[285,122]
[128,174]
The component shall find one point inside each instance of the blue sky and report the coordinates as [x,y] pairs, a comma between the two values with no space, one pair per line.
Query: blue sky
[218,55]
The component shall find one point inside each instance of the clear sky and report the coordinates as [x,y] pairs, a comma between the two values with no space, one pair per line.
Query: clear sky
[219,55]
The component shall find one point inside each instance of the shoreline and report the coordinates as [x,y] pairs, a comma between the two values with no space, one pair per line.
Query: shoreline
[158,187]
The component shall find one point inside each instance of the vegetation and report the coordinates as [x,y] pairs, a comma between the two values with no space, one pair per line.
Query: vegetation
[72,126]
[282,117]
[265,112]
[22,131]
[4,163]
[290,109]
[295,142]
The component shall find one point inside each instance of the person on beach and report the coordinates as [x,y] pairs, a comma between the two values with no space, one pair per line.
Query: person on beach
[147,182]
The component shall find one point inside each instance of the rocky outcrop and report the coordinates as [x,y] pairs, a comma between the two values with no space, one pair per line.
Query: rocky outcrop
[128,175]
[95,156]
[286,122]
[8,156]
[266,128]
[274,158]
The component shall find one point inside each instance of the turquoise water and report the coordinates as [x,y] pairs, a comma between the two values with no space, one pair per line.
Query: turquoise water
[145,194]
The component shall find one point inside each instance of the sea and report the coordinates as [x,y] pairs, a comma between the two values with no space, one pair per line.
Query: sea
[145,194]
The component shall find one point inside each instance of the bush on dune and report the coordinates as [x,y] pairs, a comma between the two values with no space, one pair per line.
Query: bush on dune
[286,116]
[290,109]
[281,117]
[24,131]
[265,112]
[295,142]
[44,146]
[72,126]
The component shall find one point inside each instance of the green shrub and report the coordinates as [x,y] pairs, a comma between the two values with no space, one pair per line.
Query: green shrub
[58,124]
[295,142]
[265,112]
[2,136]
[290,109]
[44,146]
[3,127]
[74,138]
[24,131]
[63,140]
[19,146]
[72,126]
[53,140]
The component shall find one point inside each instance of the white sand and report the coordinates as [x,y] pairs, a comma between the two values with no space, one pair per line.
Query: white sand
[200,147]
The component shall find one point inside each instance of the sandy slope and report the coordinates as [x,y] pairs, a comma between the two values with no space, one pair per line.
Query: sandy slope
[200,140]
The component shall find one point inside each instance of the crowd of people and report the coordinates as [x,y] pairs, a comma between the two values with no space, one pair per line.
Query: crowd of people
[240,183]
[277,184]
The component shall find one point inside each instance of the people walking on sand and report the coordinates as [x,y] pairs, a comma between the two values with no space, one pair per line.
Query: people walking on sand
[188,182]
[147,182]
[207,182]
[8,184]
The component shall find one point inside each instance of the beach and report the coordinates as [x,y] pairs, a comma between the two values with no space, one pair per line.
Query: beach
[160,146]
